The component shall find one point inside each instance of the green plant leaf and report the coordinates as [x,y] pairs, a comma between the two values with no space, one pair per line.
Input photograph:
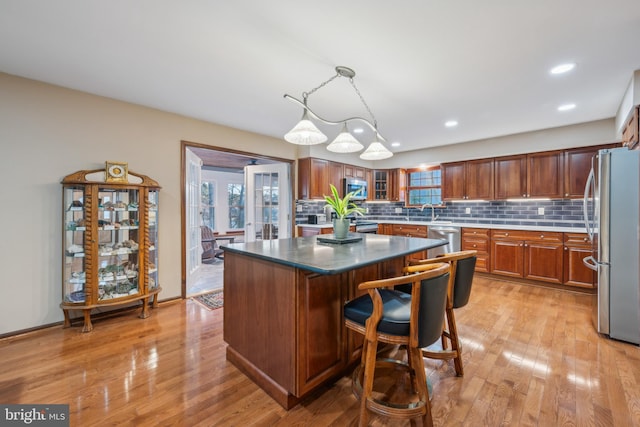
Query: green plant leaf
[343,206]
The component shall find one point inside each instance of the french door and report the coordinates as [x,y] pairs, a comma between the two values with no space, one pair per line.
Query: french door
[268,206]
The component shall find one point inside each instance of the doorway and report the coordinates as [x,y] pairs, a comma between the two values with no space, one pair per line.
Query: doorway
[216,208]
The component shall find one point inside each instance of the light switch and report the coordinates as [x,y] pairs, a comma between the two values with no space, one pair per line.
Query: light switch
[467,210]
[299,208]
[398,210]
[540,211]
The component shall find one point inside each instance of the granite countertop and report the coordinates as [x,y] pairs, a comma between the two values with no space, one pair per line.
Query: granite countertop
[308,253]
[468,225]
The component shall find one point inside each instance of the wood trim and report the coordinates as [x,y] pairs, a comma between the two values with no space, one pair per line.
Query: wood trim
[183,197]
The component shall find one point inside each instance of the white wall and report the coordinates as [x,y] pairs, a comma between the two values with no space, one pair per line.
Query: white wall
[47,132]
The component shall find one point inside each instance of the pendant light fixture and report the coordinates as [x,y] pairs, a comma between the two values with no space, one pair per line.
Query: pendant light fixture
[345,142]
[306,133]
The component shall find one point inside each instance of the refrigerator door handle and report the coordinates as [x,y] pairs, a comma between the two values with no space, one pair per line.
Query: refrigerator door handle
[585,208]
[590,262]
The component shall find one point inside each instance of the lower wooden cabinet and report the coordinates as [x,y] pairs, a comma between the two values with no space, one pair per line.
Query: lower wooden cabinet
[577,247]
[315,231]
[552,257]
[477,239]
[528,254]
[409,230]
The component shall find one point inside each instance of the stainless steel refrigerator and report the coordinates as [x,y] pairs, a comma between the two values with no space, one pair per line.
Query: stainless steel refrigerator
[612,218]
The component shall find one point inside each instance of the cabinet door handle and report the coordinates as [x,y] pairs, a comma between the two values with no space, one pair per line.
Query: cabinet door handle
[542,236]
[506,234]
[566,194]
[566,248]
[475,246]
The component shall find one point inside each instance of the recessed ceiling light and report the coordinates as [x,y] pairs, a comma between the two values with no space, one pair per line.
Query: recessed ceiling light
[358,130]
[395,144]
[451,123]
[566,107]
[562,68]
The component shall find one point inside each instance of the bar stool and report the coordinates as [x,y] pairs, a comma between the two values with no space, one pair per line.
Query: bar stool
[463,265]
[412,320]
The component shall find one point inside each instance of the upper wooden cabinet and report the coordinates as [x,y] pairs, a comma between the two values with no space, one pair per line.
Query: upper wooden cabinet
[336,175]
[530,175]
[545,174]
[388,184]
[313,178]
[315,175]
[351,171]
[510,176]
[471,180]
[631,130]
[397,185]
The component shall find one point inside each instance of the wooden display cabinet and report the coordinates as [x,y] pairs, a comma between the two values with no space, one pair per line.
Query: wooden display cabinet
[110,241]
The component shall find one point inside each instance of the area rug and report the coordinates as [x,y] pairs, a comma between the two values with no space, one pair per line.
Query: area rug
[211,300]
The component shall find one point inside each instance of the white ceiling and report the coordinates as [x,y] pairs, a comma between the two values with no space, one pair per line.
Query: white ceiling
[418,62]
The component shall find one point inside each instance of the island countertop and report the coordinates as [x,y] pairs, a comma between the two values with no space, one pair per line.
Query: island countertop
[308,253]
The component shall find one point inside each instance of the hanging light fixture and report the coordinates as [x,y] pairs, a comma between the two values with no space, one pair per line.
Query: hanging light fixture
[345,142]
[306,133]
[376,151]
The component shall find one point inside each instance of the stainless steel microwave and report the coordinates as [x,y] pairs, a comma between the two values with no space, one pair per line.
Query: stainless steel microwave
[358,186]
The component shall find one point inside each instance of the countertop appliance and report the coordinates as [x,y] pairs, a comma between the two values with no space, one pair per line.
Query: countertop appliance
[358,186]
[612,218]
[446,232]
[317,219]
[364,226]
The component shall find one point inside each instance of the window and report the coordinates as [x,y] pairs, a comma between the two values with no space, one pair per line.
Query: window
[208,204]
[424,186]
[236,196]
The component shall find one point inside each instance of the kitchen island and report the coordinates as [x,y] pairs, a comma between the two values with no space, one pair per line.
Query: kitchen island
[283,299]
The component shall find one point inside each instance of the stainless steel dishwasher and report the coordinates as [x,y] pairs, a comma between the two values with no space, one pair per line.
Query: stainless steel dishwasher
[447,232]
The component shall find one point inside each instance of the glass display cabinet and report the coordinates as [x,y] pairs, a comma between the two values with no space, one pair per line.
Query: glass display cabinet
[110,241]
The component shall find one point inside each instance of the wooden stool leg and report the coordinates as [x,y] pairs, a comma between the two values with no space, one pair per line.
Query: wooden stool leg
[417,362]
[455,343]
[367,380]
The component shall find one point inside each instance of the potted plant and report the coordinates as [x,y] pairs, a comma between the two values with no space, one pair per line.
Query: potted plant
[342,207]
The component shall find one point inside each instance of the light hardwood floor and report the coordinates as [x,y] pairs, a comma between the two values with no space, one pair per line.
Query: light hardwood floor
[531,358]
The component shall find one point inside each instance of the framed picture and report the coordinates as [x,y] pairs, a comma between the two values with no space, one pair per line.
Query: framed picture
[116,172]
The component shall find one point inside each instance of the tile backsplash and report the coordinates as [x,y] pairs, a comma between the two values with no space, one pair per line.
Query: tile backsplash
[550,213]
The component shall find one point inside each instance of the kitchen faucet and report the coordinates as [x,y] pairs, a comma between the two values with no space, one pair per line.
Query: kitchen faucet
[433,215]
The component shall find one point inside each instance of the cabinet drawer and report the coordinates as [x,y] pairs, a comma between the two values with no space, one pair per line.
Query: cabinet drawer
[480,232]
[482,263]
[541,236]
[410,230]
[480,245]
[577,239]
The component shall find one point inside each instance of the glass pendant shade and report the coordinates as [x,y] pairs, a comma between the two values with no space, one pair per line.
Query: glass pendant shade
[345,142]
[305,132]
[376,151]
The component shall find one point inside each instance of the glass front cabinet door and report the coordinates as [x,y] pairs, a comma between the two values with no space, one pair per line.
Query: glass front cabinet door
[110,243]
